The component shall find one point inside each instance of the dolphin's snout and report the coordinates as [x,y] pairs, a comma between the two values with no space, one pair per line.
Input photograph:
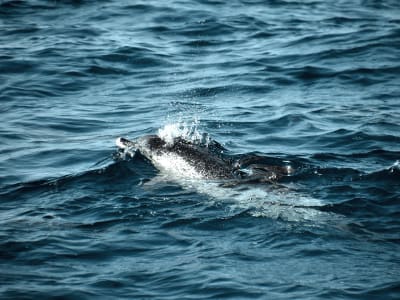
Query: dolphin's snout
[123,143]
[119,142]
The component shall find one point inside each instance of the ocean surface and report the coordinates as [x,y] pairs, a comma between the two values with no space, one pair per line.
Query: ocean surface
[314,85]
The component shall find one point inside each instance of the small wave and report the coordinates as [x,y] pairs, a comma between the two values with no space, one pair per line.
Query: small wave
[11,65]
[136,169]
[21,5]
[100,70]
[389,176]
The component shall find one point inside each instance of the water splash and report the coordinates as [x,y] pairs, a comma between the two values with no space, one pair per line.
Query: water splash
[188,131]
[395,167]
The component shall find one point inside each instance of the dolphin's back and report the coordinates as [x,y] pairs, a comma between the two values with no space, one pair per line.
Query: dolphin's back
[205,158]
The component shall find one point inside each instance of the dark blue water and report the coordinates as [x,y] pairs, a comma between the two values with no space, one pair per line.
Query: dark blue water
[312,84]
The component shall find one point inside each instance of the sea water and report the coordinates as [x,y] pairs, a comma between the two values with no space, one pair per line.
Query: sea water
[313,84]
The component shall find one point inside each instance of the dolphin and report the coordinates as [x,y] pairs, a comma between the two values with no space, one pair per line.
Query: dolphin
[253,182]
[194,159]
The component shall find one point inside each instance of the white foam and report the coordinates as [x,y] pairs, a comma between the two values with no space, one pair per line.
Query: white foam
[395,166]
[261,201]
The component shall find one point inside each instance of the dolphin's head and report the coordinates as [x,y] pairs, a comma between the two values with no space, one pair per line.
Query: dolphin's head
[150,145]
